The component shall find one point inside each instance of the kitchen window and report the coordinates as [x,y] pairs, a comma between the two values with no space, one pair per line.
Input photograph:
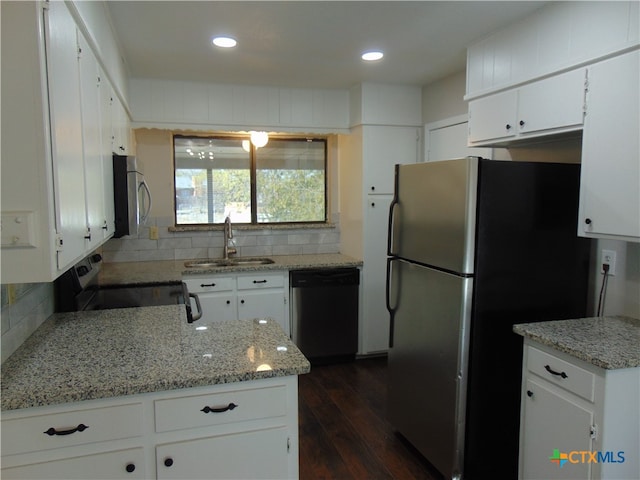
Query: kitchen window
[218,176]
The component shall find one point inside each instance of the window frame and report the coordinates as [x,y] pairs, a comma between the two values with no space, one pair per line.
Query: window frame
[253,179]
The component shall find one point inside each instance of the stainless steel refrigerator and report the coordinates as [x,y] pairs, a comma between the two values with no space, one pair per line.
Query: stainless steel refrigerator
[475,246]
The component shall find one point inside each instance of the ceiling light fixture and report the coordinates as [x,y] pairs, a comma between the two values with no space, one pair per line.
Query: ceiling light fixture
[372,56]
[259,139]
[224,42]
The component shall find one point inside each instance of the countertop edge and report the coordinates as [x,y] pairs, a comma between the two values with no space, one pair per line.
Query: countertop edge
[610,343]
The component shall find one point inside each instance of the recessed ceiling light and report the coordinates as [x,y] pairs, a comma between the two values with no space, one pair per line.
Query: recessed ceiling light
[224,42]
[371,56]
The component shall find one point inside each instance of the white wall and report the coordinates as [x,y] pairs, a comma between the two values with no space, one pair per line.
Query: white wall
[444,98]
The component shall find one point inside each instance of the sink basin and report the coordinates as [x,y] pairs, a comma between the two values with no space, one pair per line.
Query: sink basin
[231,262]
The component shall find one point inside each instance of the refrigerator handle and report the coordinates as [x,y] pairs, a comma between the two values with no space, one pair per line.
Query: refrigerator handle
[391,310]
[394,202]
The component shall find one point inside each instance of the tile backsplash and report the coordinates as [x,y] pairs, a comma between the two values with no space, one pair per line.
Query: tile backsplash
[176,244]
[24,308]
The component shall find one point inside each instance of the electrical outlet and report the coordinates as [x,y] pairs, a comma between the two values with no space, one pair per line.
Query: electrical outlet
[608,257]
[153,233]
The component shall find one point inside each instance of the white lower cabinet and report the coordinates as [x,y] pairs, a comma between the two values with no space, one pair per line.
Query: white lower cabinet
[577,421]
[255,454]
[119,464]
[242,296]
[237,430]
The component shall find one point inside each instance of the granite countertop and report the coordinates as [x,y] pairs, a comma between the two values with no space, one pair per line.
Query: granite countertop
[100,354]
[607,342]
[173,270]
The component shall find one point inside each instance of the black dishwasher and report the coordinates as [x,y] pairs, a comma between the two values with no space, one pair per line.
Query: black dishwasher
[324,313]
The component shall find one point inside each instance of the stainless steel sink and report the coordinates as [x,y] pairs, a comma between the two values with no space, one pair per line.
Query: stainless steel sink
[231,262]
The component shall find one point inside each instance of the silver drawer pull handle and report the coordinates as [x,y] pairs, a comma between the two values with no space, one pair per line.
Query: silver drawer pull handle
[52,431]
[553,372]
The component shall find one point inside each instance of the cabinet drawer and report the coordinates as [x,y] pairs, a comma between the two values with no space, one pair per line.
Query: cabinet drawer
[560,372]
[209,284]
[260,281]
[29,434]
[219,408]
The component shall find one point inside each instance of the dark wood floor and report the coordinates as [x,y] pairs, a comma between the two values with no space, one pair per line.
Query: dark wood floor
[344,433]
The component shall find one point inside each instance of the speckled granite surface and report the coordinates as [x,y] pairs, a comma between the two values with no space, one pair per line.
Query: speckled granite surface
[607,342]
[100,354]
[141,272]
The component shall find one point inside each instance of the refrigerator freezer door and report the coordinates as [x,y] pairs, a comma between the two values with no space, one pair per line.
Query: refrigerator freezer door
[428,361]
[433,214]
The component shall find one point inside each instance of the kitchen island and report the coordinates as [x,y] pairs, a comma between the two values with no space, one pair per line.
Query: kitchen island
[141,393]
[579,399]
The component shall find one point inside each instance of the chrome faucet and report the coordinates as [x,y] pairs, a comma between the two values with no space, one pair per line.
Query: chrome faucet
[228,235]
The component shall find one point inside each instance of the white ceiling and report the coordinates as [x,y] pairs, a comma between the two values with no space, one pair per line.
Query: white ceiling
[305,43]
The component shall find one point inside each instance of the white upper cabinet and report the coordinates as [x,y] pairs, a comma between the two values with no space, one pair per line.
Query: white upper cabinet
[66,133]
[106,94]
[549,106]
[610,175]
[120,128]
[558,36]
[57,197]
[92,143]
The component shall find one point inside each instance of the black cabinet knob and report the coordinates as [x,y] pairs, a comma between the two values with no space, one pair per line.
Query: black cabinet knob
[130,468]
[529,393]
[507,126]
[587,221]
[373,188]
[373,204]
[168,462]
[522,123]
[241,301]
[228,302]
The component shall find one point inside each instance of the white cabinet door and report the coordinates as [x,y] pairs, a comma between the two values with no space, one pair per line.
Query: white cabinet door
[121,137]
[108,228]
[375,317]
[66,132]
[256,454]
[92,144]
[120,464]
[493,117]
[610,175]
[553,103]
[553,422]
[262,304]
[217,307]
[383,147]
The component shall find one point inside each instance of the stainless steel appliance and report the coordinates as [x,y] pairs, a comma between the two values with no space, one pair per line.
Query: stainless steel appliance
[324,313]
[77,290]
[475,246]
[132,197]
